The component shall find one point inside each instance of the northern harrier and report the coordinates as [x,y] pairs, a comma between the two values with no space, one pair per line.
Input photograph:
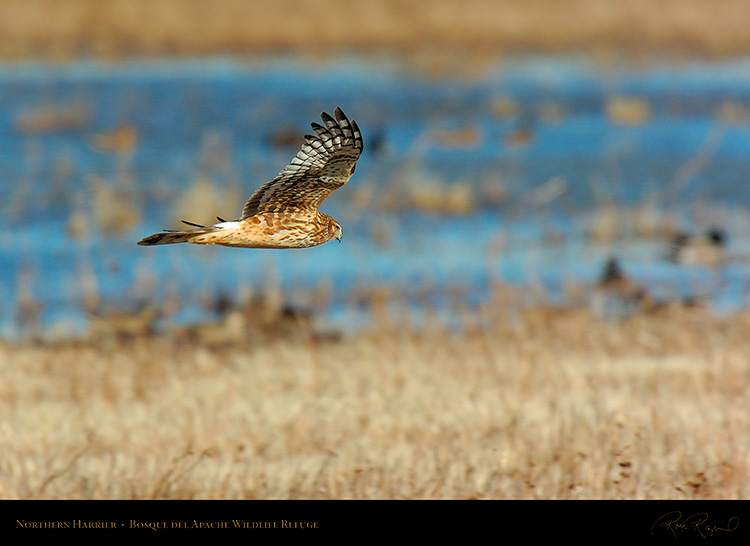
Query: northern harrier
[283,213]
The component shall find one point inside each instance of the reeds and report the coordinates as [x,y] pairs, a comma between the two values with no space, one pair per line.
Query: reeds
[114,207]
[53,118]
[202,201]
[628,110]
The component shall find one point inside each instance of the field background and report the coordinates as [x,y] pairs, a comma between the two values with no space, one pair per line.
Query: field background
[558,406]
[507,401]
[112,29]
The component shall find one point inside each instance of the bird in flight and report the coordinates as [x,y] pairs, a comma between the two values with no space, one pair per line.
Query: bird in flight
[283,213]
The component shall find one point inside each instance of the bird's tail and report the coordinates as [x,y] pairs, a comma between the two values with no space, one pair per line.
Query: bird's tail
[169,237]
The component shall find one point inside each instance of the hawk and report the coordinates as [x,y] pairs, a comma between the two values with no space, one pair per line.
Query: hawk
[283,213]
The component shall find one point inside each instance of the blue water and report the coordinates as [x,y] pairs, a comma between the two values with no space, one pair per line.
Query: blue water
[183,110]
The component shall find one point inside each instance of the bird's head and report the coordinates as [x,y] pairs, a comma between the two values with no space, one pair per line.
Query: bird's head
[330,228]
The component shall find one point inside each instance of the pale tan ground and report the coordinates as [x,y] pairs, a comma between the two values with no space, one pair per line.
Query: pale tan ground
[430,29]
[550,405]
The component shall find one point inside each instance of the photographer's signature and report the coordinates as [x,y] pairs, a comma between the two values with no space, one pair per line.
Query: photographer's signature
[673,522]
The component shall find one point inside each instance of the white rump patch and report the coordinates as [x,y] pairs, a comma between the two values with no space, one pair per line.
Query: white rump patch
[227,225]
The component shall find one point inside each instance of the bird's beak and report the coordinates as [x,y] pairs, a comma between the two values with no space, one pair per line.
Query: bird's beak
[338,238]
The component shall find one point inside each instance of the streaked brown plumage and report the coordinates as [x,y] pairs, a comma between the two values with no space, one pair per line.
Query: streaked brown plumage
[283,213]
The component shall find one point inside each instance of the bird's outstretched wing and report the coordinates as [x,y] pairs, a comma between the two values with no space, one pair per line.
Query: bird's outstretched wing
[324,163]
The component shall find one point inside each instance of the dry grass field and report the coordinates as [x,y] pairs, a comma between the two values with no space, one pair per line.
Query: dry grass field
[547,405]
[443,29]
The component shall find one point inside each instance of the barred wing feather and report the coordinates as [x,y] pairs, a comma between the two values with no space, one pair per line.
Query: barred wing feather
[325,162]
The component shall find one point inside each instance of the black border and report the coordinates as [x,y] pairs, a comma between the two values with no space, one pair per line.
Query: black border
[665,522]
